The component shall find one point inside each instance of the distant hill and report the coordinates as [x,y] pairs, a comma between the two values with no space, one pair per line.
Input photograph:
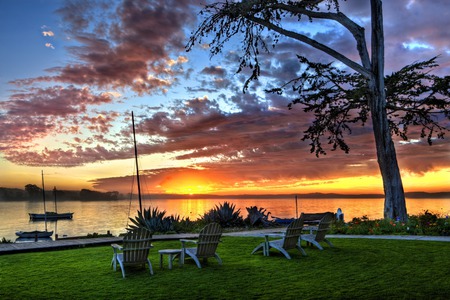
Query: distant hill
[290,196]
[16,194]
[12,194]
[428,195]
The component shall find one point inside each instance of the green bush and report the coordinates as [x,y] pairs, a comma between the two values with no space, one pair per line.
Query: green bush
[422,224]
[428,223]
[183,225]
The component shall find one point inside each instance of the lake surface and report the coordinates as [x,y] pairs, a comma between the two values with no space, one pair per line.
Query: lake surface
[103,216]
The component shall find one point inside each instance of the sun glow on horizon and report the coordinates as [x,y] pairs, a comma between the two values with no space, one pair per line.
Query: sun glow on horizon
[194,181]
[436,181]
[187,182]
[432,181]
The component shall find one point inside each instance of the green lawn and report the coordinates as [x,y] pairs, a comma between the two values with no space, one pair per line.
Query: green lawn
[354,269]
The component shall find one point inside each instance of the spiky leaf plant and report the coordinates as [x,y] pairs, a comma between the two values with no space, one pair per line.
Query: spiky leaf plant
[153,219]
[225,214]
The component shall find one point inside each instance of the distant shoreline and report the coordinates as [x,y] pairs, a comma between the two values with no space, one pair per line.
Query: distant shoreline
[87,195]
[419,195]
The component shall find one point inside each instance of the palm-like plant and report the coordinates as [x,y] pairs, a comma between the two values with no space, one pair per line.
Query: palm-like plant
[156,221]
[224,214]
[153,219]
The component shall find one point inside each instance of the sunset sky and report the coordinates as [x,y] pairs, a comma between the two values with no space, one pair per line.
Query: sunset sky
[71,73]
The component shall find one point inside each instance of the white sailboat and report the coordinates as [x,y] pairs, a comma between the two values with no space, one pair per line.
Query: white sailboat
[51,215]
[37,233]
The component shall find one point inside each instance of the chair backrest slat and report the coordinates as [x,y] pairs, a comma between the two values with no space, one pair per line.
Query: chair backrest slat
[136,245]
[293,232]
[324,227]
[208,240]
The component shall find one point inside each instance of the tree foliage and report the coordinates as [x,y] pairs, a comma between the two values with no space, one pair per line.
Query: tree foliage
[338,99]
[259,22]
[33,190]
[415,97]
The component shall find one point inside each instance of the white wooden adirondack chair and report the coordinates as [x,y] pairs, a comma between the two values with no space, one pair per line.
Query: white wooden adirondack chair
[134,251]
[290,240]
[318,236]
[207,243]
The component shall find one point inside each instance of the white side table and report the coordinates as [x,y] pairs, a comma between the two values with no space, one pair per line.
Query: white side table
[172,253]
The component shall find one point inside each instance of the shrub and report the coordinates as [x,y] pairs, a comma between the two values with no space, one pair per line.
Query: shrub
[429,223]
[422,224]
[183,225]
[5,241]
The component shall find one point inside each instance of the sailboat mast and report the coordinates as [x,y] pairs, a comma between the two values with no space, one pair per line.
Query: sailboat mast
[54,194]
[43,197]
[137,165]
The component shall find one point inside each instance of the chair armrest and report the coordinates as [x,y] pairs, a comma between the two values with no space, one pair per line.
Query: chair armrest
[116,247]
[184,241]
[275,234]
[189,241]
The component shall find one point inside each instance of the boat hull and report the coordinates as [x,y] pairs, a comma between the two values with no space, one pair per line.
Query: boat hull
[34,234]
[49,216]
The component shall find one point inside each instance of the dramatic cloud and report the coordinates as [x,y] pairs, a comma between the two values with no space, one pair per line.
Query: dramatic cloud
[130,55]
[134,47]
[37,113]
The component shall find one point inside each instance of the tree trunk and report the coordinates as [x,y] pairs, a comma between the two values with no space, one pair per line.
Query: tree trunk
[394,203]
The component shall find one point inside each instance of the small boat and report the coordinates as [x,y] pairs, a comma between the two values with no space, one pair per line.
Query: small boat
[34,234]
[50,216]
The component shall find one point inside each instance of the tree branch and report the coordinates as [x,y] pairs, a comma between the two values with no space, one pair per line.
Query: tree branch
[357,31]
[303,38]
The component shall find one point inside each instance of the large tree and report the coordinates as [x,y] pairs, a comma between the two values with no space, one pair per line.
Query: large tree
[33,191]
[410,96]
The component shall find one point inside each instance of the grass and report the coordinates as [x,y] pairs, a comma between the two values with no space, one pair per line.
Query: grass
[354,269]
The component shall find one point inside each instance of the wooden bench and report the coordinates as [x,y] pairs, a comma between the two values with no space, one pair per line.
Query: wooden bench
[314,218]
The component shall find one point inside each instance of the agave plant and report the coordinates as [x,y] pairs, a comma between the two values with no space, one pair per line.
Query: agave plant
[258,216]
[157,221]
[152,219]
[224,214]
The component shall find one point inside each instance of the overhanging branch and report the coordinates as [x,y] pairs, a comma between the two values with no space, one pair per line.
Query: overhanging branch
[303,38]
[356,30]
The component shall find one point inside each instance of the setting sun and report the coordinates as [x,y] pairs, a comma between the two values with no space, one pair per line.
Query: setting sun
[188,182]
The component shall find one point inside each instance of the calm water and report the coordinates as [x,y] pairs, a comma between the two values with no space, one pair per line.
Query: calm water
[101,216]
